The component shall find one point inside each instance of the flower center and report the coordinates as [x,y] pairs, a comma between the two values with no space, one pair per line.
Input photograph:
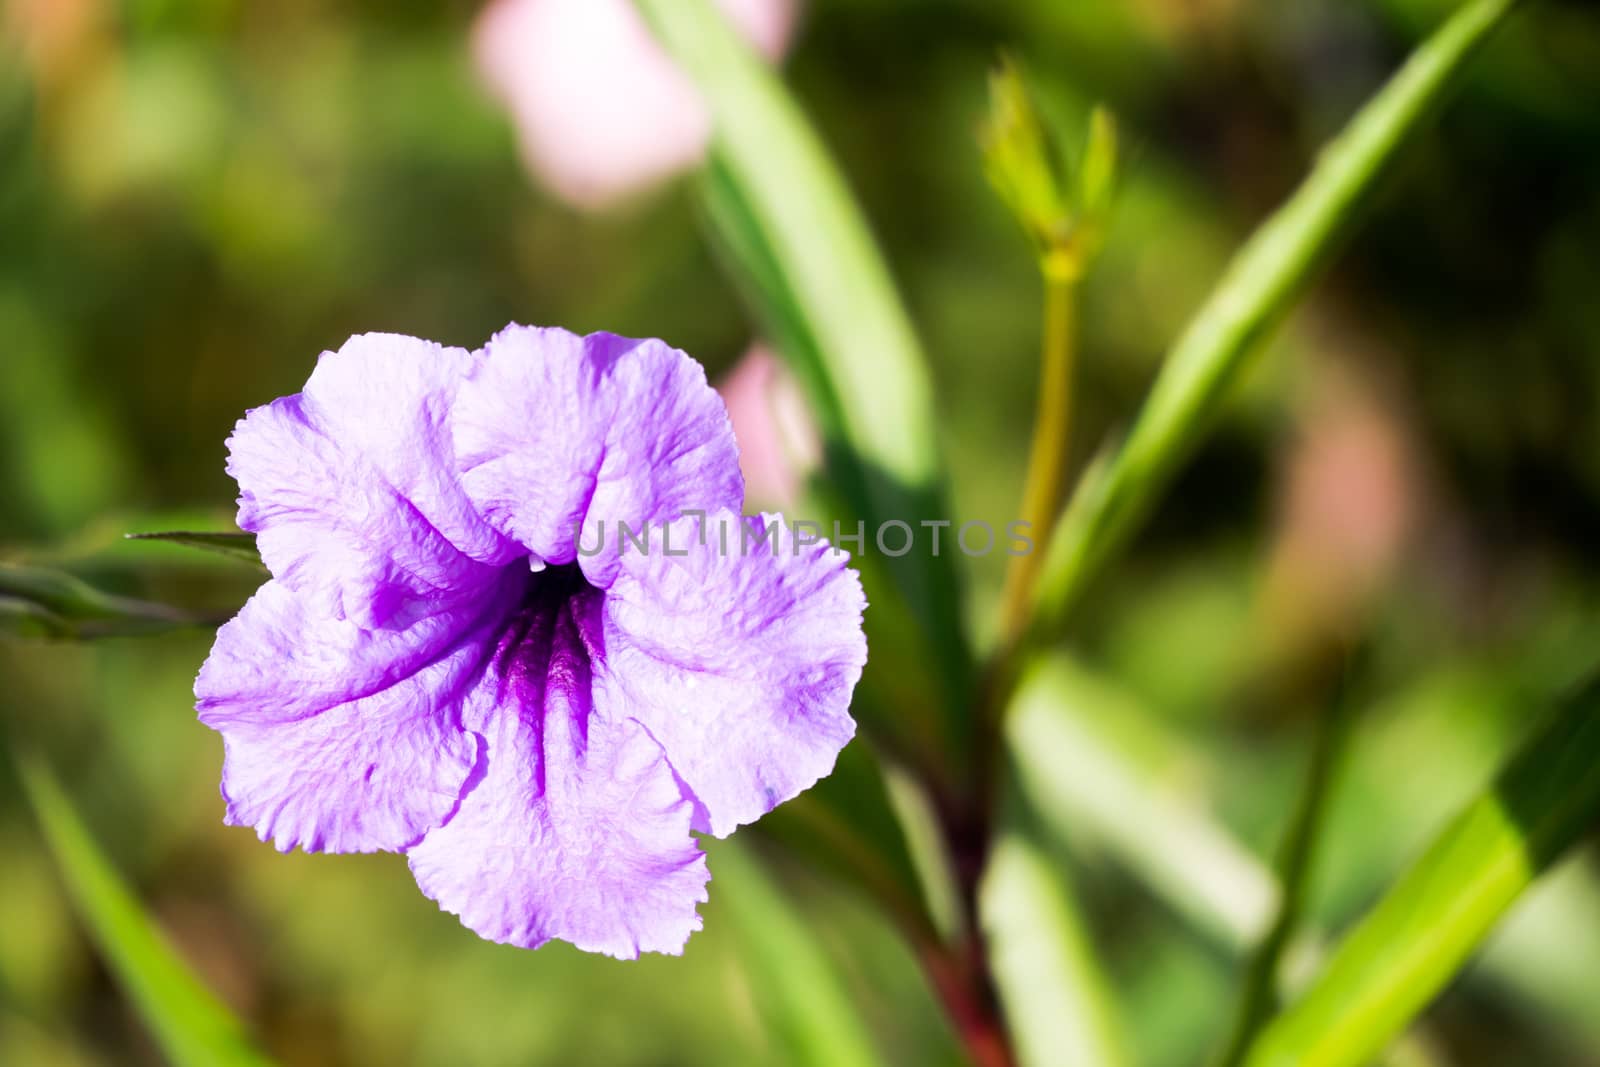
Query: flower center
[548,629]
[551,587]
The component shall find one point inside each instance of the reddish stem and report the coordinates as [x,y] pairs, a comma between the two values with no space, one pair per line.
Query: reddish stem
[960,972]
[962,984]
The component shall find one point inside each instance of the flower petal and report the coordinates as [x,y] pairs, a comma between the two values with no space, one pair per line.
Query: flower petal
[553,430]
[578,829]
[739,655]
[350,485]
[341,739]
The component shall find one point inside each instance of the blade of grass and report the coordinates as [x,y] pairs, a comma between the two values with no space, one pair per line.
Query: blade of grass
[803,255]
[1427,926]
[796,987]
[1262,978]
[1266,277]
[189,1023]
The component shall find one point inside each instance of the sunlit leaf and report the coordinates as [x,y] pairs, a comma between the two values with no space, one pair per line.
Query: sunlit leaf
[1109,780]
[1059,1004]
[1085,783]
[1427,926]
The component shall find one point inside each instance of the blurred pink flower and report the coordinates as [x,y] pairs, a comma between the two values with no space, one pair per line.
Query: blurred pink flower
[778,444]
[1350,495]
[601,112]
[1350,492]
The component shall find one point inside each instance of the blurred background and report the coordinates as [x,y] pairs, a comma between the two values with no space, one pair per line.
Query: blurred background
[196,198]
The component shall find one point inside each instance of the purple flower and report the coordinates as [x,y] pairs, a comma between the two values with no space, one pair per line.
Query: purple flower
[435,668]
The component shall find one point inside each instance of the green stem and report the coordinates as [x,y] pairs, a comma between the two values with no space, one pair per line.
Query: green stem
[1052,439]
[1267,276]
[1260,996]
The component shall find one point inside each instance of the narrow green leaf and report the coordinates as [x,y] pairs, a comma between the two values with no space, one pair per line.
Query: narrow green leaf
[796,987]
[1427,926]
[189,1023]
[1266,277]
[1059,1005]
[41,602]
[237,546]
[1105,776]
[928,851]
[804,257]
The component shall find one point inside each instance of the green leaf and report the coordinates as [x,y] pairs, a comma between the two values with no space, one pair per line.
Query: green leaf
[41,602]
[808,1009]
[1427,926]
[237,546]
[1266,277]
[804,257]
[923,838]
[1059,1005]
[1106,777]
[189,1023]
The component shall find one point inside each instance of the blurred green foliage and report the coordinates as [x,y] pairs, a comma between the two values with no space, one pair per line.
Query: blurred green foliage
[196,198]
